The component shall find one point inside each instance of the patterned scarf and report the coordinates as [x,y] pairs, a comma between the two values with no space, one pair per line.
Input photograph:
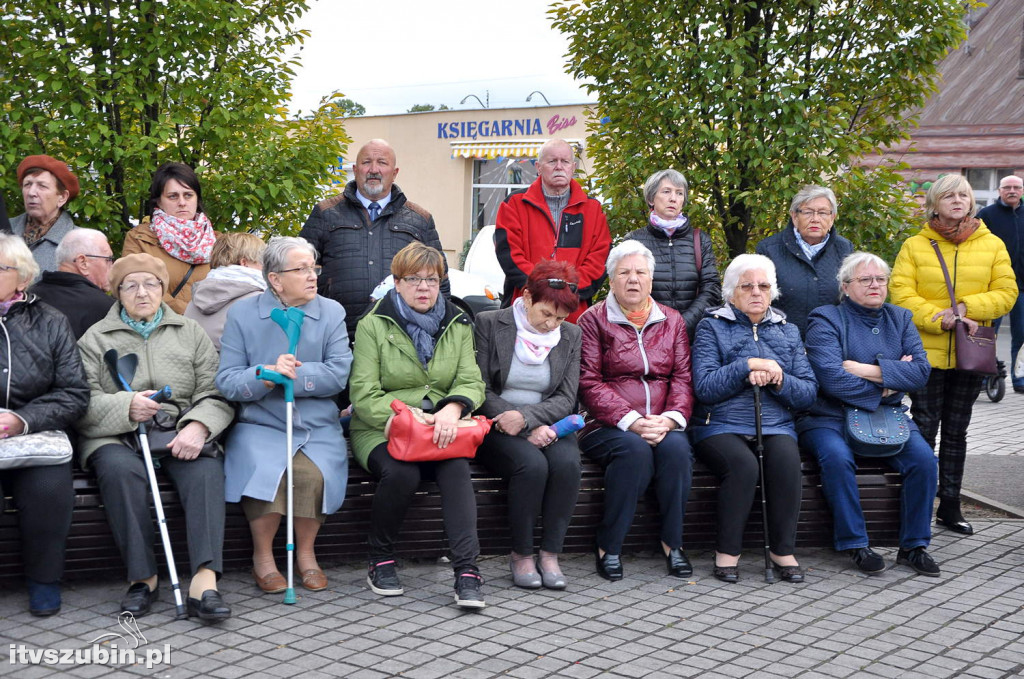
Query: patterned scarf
[34,231]
[669,226]
[640,316]
[421,328]
[6,306]
[957,233]
[188,240]
[532,347]
[144,328]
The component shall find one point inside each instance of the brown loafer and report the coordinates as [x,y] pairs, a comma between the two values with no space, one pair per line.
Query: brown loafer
[314,580]
[272,583]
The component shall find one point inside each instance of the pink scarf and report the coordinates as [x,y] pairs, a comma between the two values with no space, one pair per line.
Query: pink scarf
[189,240]
[6,306]
[532,347]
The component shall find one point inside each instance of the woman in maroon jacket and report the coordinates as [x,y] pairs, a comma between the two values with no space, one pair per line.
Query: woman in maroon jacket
[635,384]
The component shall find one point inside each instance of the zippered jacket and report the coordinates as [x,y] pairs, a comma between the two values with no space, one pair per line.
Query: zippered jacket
[626,373]
[725,339]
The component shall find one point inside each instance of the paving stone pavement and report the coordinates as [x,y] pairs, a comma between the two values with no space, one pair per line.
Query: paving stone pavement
[969,622]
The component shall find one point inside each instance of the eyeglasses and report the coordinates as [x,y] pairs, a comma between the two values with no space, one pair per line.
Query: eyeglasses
[559,284]
[414,281]
[1011,188]
[109,258]
[4,267]
[821,214]
[304,270]
[749,287]
[132,288]
[868,280]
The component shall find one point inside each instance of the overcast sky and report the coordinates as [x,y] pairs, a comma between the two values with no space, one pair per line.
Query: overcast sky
[391,55]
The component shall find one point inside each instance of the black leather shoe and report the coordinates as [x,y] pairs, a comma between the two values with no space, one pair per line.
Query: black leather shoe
[788,573]
[955,524]
[138,599]
[918,559]
[678,565]
[730,574]
[867,560]
[609,566]
[209,608]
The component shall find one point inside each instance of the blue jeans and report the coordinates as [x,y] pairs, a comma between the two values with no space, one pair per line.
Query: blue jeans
[1016,317]
[915,463]
[630,464]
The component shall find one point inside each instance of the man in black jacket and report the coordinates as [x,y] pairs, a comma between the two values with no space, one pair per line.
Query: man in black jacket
[79,286]
[1005,218]
[359,231]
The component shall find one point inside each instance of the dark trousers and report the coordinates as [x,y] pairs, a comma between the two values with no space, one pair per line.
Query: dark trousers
[916,465]
[734,462]
[44,498]
[630,464]
[397,482]
[947,400]
[124,488]
[541,482]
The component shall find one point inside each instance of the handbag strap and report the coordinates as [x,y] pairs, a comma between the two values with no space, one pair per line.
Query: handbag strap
[696,250]
[843,330]
[945,272]
[188,274]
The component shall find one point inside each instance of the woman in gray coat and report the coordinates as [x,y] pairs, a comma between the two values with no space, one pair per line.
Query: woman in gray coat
[530,362]
[255,463]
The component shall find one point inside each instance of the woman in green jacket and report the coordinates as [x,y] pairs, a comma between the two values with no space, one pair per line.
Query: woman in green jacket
[416,347]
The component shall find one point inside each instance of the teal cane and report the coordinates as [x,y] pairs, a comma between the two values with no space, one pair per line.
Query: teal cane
[291,323]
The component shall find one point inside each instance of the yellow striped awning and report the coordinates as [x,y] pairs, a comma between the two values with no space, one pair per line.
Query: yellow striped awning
[517,148]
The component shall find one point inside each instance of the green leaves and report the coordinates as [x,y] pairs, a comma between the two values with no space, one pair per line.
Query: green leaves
[117,92]
[752,100]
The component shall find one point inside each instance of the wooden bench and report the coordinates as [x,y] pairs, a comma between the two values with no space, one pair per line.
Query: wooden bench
[91,551]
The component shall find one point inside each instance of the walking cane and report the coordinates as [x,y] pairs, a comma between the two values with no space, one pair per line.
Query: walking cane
[291,323]
[123,370]
[769,573]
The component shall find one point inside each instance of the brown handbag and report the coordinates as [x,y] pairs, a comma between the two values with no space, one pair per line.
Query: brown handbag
[974,353]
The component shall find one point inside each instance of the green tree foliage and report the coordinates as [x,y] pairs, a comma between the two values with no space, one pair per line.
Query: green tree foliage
[351,109]
[753,99]
[420,108]
[117,87]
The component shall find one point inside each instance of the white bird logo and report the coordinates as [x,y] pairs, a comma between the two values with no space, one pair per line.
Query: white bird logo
[129,624]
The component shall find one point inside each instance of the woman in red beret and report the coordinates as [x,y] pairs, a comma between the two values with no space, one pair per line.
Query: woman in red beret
[46,187]
[177,232]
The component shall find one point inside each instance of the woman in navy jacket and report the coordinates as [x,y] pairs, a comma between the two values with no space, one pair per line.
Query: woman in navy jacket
[881,359]
[744,343]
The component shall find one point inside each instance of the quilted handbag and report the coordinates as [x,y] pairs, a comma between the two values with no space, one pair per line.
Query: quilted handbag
[410,438]
[39,449]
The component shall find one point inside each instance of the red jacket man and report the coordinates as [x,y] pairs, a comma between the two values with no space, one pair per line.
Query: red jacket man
[552,219]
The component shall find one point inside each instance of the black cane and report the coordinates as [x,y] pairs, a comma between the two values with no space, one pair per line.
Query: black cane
[769,573]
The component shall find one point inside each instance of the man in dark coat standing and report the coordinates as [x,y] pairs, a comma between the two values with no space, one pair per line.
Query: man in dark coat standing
[79,286]
[358,232]
[1005,218]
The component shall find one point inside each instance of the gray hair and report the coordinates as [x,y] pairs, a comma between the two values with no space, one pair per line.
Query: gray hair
[856,260]
[743,264]
[674,177]
[76,242]
[14,250]
[811,192]
[943,186]
[625,249]
[275,257]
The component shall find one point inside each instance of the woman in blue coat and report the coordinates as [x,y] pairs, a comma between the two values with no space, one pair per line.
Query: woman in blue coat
[745,343]
[881,359]
[254,461]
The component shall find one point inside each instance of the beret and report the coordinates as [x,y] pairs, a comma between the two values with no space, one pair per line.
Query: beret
[53,166]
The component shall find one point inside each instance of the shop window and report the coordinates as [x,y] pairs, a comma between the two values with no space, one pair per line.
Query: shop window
[985,183]
[493,180]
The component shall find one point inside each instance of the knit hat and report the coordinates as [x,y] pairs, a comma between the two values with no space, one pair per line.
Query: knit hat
[55,167]
[136,263]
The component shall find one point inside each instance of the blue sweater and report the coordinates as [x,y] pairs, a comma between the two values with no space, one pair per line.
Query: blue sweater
[725,340]
[876,336]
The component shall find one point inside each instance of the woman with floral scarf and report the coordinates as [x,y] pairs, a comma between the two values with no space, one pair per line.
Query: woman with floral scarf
[984,287]
[177,232]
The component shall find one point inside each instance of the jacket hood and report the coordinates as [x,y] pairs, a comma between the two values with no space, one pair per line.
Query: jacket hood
[211,295]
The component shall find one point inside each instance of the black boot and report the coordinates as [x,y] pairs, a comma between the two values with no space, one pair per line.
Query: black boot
[948,515]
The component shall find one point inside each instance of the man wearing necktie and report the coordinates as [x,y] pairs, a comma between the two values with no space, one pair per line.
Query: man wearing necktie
[357,232]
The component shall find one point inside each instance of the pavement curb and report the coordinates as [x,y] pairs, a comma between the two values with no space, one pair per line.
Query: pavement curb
[989,503]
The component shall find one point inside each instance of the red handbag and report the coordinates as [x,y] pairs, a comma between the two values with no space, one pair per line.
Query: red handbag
[410,438]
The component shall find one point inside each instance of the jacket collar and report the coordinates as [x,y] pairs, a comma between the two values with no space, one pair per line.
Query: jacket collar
[452,314]
[789,240]
[112,321]
[731,313]
[931,234]
[614,313]
[267,301]
[535,194]
[67,279]
[397,199]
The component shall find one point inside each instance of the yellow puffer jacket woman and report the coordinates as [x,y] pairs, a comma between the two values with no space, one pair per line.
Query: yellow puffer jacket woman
[982,279]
